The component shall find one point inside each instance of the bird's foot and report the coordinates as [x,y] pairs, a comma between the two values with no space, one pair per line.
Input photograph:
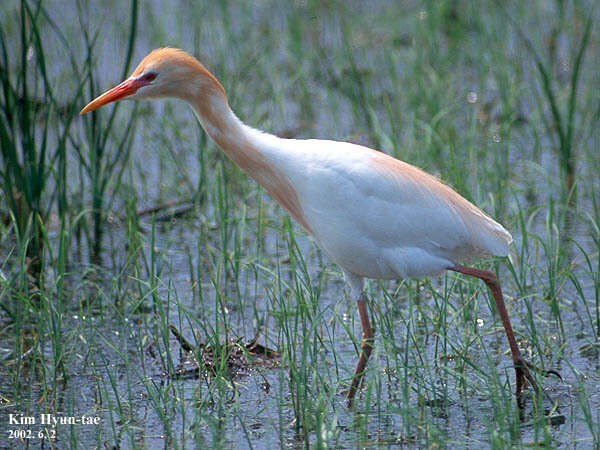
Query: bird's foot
[525,378]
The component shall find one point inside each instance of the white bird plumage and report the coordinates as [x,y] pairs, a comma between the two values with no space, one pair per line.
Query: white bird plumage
[375,216]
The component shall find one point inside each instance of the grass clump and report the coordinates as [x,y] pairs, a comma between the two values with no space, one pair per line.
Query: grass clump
[31,146]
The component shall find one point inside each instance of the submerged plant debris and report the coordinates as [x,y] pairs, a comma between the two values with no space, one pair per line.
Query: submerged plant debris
[236,356]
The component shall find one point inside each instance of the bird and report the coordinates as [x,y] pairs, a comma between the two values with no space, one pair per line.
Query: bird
[375,216]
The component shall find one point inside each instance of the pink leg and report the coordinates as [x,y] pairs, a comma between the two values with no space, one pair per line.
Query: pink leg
[365,350]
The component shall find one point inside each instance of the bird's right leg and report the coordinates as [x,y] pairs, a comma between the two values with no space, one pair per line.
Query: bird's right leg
[521,365]
[365,349]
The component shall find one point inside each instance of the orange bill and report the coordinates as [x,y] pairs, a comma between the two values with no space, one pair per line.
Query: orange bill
[125,89]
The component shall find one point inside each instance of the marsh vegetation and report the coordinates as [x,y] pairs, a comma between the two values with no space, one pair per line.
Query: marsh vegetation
[132,248]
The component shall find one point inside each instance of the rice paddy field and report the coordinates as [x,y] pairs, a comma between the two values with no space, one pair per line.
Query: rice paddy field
[149,285]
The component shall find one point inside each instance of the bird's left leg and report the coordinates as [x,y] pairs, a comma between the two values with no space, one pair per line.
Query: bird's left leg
[365,349]
[521,365]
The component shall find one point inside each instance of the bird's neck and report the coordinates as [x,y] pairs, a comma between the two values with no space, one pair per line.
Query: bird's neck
[228,132]
[253,151]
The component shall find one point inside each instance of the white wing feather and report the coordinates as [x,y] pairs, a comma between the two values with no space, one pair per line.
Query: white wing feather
[379,217]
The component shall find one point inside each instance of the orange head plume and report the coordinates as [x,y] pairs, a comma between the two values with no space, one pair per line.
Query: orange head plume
[164,72]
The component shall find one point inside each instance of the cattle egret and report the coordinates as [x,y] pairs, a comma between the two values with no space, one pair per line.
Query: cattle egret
[374,215]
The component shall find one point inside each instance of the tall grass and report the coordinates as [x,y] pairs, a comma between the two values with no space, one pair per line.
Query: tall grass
[565,125]
[103,156]
[31,145]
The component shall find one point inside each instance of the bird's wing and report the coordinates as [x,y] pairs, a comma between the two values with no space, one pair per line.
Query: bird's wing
[346,188]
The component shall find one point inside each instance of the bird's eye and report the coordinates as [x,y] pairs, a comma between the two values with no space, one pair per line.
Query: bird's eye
[150,76]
